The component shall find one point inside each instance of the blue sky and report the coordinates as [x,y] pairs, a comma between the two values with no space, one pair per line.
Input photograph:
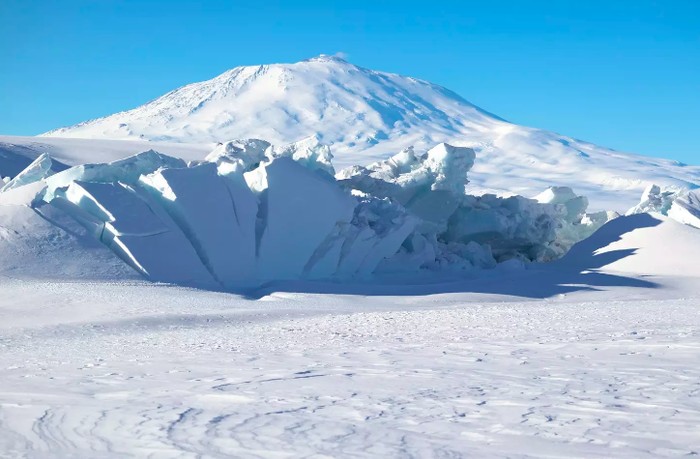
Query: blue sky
[623,74]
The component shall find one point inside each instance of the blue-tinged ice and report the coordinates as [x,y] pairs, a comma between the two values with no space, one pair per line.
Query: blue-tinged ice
[217,214]
[137,231]
[43,166]
[126,170]
[299,209]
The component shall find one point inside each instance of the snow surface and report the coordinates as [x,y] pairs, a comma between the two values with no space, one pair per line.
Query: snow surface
[365,116]
[596,357]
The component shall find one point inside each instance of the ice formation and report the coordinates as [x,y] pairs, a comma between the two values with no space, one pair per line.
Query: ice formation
[251,213]
[654,199]
[126,170]
[678,204]
[686,208]
[244,155]
[240,156]
[42,167]
[431,188]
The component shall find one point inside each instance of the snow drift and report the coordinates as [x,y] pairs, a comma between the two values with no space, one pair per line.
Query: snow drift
[251,213]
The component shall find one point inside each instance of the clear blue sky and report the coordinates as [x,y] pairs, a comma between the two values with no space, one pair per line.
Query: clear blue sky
[624,74]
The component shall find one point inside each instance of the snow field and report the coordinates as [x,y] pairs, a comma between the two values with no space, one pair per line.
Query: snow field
[163,372]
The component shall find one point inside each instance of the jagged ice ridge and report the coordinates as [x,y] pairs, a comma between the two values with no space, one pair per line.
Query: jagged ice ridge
[251,212]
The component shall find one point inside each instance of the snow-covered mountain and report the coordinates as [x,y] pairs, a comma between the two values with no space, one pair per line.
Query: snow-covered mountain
[366,115]
[352,108]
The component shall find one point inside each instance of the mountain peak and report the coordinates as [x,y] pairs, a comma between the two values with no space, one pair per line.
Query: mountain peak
[327,58]
[349,107]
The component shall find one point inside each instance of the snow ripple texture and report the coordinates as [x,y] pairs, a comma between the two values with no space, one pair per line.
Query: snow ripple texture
[208,376]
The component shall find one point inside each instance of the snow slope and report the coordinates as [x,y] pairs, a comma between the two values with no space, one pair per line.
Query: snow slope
[643,246]
[366,115]
[45,243]
[596,357]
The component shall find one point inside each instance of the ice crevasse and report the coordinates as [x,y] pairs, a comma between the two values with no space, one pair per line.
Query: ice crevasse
[251,213]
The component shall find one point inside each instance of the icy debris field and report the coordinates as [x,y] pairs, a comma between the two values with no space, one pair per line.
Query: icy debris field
[115,371]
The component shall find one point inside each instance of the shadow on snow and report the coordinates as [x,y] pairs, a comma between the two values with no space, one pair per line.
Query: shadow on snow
[577,271]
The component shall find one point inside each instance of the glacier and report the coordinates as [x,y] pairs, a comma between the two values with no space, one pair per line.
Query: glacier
[252,212]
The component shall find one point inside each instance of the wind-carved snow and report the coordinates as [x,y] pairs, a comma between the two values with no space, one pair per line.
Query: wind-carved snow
[252,212]
[170,372]
[366,115]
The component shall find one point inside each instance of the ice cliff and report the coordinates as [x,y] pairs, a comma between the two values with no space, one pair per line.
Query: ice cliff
[251,212]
